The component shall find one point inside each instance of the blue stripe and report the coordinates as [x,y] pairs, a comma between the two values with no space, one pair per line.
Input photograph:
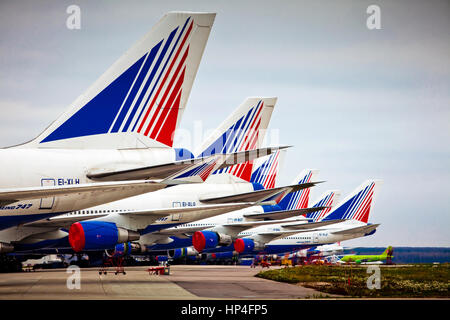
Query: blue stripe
[97,116]
[148,63]
[164,67]
[11,221]
[242,132]
[127,104]
[154,70]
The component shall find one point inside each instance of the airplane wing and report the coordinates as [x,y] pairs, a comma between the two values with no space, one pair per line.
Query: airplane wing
[192,172]
[310,225]
[217,209]
[282,214]
[269,196]
[239,226]
[11,195]
[164,170]
[274,235]
[363,229]
[66,220]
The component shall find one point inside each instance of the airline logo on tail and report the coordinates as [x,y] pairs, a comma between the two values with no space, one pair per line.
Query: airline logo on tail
[266,174]
[144,99]
[242,135]
[328,200]
[357,206]
[299,199]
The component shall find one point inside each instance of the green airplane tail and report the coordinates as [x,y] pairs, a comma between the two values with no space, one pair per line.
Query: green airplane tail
[388,252]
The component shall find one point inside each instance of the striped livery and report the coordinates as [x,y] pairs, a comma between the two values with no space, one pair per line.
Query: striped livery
[266,173]
[242,135]
[357,205]
[299,199]
[144,92]
[328,199]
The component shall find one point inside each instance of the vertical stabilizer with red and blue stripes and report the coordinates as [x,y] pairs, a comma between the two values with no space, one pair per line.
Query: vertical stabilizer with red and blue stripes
[329,199]
[243,130]
[267,169]
[299,199]
[358,204]
[138,102]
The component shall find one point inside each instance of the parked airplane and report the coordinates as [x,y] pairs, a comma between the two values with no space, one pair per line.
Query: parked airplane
[229,225]
[368,259]
[121,128]
[318,251]
[114,222]
[348,220]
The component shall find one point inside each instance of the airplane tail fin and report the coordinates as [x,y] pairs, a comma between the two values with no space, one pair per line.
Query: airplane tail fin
[358,204]
[299,199]
[328,199]
[388,252]
[243,130]
[138,102]
[265,170]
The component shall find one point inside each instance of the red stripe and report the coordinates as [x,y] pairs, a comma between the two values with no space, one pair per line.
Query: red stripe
[363,205]
[165,77]
[252,143]
[364,214]
[324,211]
[167,134]
[162,105]
[250,131]
[271,181]
[271,175]
[362,210]
[165,108]
[207,171]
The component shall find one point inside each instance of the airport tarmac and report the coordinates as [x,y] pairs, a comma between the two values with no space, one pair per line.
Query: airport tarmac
[185,282]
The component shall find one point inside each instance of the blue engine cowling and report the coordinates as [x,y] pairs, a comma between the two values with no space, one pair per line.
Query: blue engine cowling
[125,249]
[182,252]
[209,239]
[98,235]
[244,245]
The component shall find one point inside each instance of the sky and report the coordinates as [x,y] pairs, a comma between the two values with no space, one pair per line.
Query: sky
[354,103]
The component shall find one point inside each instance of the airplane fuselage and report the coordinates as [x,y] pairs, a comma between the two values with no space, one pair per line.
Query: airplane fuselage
[23,168]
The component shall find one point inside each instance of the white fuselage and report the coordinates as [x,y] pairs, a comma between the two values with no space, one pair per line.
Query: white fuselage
[62,167]
[318,236]
[173,197]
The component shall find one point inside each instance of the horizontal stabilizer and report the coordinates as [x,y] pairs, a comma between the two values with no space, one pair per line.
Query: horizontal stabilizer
[165,170]
[358,230]
[260,196]
[64,220]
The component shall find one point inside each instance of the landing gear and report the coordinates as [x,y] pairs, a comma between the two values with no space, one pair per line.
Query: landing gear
[9,264]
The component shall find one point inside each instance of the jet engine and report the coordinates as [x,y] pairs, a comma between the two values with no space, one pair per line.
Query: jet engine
[98,235]
[243,245]
[125,249]
[182,252]
[209,239]
[6,247]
